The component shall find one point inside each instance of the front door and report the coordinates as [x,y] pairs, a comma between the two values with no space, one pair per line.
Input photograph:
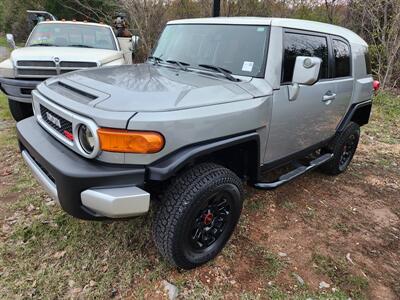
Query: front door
[312,117]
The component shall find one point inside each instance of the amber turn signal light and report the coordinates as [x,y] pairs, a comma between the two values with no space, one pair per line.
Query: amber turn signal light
[127,141]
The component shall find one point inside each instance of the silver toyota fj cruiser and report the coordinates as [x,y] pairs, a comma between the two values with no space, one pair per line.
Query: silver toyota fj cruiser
[219,102]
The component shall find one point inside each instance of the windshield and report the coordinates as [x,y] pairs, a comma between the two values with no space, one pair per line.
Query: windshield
[72,35]
[241,49]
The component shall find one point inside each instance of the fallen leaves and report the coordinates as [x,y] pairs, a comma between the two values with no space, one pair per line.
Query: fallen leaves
[59,254]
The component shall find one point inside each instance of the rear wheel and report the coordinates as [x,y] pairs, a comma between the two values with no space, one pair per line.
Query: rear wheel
[199,212]
[20,110]
[343,148]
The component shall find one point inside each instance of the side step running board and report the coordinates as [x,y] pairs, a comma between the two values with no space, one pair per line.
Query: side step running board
[294,173]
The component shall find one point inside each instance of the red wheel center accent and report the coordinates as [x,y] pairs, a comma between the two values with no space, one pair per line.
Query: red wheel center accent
[208,218]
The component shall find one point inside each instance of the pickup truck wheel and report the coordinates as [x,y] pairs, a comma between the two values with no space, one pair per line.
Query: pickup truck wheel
[199,212]
[20,110]
[344,148]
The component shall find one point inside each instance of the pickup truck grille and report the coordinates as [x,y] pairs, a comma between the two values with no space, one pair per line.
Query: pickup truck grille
[77,64]
[34,63]
[45,69]
[37,72]
[55,121]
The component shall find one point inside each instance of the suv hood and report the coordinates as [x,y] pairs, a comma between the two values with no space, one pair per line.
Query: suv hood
[100,56]
[148,87]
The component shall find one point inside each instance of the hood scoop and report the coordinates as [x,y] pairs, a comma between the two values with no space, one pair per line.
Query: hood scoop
[75,92]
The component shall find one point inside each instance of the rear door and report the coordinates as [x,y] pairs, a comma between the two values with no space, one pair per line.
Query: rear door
[343,81]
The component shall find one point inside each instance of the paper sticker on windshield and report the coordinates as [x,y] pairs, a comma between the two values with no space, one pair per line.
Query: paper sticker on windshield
[247,66]
[260,29]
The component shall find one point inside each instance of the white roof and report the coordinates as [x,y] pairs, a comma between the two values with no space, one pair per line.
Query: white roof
[75,23]
[279,22]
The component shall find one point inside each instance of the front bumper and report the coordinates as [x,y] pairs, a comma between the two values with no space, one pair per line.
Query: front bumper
[84,188]
[17,89]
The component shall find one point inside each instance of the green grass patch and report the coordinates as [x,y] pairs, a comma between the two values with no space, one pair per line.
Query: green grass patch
[52,255]
[287,204]
[3,41]
[275,293]
[269,263]
[388,106]
[339,273]
[385,120]
[4,111]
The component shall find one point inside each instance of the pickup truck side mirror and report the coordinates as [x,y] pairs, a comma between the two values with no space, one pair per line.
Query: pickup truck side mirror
[10,41]
[135,43]
[306,72]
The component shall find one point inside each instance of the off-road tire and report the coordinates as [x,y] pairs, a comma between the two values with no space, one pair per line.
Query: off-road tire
[20,110]
[336,165]
[182,201]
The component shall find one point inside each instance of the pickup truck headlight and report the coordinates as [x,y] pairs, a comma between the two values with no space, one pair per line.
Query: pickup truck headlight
[6,73]
[86,139]
[127,141]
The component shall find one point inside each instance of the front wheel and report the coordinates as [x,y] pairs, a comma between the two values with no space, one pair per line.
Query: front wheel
[343,149]
[199,213]
[20,110]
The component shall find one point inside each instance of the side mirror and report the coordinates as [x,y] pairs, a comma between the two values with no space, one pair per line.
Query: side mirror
[306,72]
[10,40]
[135,43]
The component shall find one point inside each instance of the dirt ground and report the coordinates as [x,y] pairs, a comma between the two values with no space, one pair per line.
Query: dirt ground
[317,237]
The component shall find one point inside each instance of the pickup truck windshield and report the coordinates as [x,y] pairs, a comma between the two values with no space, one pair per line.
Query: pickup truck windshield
[72,35]
[241,49]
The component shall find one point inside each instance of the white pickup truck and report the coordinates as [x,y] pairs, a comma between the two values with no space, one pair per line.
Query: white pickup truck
[54,48]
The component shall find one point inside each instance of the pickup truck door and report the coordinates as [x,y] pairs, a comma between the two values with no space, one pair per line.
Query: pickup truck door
[312,117]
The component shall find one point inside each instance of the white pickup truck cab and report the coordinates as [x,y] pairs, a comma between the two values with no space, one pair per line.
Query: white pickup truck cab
[54,48]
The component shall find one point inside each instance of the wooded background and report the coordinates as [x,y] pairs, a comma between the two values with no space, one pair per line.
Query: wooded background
[377,21]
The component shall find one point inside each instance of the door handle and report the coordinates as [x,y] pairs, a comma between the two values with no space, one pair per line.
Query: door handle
[329,97]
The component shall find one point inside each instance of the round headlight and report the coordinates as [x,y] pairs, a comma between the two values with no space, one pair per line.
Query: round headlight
[86,139]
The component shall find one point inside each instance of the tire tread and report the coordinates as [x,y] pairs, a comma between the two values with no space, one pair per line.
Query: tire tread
[178,196]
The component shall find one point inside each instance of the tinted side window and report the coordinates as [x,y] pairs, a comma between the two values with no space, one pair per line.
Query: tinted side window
[303,45]
[367,62]
[341,54]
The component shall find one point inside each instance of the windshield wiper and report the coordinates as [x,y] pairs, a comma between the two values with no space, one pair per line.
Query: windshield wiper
[182,65]
[43,45]
[156,59]
[80,46]
[223,71]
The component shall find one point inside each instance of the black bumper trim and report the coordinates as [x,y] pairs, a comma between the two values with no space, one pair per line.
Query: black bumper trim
[71,172]
[17,89]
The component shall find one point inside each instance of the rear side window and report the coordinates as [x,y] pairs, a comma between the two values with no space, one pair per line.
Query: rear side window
[296,44]
[341,55]
[367,62]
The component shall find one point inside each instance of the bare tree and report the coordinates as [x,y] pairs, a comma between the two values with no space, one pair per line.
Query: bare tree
[330,9]
[379,24]
[148,18]
[87,11]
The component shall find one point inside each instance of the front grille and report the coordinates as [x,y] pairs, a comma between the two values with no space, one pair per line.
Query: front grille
[46,69]
[36,63]
[66,71]
[64,124]
[37,72]
[77,64]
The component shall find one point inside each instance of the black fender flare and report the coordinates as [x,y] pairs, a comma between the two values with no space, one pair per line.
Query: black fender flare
[358,112]
[170,165]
